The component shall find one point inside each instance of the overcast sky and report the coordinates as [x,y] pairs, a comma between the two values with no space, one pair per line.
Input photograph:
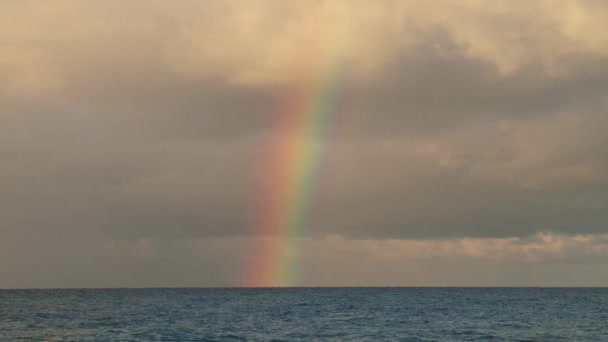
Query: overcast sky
[472,148]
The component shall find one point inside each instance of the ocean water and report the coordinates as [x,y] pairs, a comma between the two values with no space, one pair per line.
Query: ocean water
[306,314]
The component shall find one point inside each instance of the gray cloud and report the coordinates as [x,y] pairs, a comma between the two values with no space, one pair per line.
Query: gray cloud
[455,120]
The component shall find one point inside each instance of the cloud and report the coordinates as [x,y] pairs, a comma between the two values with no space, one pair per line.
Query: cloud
[469,119]
[72,261]
[540,248]
[265,40]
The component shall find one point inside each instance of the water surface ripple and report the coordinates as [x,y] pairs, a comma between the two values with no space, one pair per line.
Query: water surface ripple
[306,314]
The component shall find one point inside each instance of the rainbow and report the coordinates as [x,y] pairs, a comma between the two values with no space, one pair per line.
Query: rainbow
[291,173]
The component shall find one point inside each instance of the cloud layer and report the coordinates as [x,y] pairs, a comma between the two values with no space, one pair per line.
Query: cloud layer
[460,120]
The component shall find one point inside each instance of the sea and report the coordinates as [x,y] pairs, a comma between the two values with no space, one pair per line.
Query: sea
[305,314]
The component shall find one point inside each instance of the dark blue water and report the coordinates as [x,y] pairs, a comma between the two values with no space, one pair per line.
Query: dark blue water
[306,314]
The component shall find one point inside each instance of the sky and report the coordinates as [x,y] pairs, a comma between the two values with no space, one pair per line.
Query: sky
[467,147]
